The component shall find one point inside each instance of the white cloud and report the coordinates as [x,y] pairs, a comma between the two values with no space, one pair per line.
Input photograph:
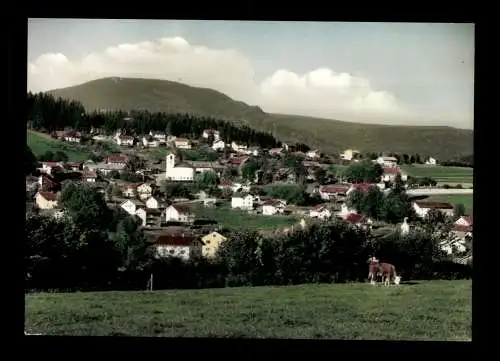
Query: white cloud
[321,92]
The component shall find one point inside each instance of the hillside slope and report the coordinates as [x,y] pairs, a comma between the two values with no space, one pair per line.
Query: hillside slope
[330,135]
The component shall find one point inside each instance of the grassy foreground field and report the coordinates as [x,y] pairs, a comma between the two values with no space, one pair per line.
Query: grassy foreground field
[436,310]
[465,199]
[448,175]
[41,143]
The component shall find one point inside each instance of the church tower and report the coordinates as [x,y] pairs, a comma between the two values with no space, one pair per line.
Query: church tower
[170,163]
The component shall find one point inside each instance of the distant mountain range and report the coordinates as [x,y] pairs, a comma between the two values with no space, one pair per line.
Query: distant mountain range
[443,143]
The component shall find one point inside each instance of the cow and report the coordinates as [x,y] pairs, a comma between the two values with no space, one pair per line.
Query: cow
[386,270]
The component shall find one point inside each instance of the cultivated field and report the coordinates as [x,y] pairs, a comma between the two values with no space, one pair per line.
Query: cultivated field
[443,175]
[41,143]
[435,310]
[465,199]
[235,219]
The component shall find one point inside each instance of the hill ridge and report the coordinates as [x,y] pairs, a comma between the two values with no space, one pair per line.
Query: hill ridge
[156,95]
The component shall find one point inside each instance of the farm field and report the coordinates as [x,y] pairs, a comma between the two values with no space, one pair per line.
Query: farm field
[41,143]
[443,175]
[424,310]
[465,199]
[235,219]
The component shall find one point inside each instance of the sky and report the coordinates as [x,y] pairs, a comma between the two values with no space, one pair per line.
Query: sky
[384,73]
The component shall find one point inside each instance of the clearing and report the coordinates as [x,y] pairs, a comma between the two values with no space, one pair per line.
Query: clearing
[443,175]
[41,143]
[423,310]
[466,199]
[236,219]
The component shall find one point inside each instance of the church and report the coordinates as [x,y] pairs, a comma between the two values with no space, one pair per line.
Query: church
[181,172]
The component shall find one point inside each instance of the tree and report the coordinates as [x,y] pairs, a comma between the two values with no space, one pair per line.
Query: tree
[249,169]
[459,210]
[373,203]
[86,206]
[320,175]
[131,245]
[364,171]
[356,200]
[206,180]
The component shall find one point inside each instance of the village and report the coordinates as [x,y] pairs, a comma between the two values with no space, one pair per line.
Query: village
[206,199]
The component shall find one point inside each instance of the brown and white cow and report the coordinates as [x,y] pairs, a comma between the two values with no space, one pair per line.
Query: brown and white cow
[386,270]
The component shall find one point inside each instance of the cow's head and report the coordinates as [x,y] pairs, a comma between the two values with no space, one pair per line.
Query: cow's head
[397,280]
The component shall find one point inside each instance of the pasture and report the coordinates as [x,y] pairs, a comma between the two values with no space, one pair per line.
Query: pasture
[41,143]
[443,175]
[236,219]
[424,310]
[465,199]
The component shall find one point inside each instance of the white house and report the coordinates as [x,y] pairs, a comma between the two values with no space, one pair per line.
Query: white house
[238,146]
[320,211]
[72,137]
[48,167]
[152,203]
[89,177]
[180,245]
[345,210]
[179,213]
[272,207]
[142,215]
[125,140]
[313,154]
[150,142]
[329,192]
[348,154]
[130,190]
[215,133]
[245,202]
[178,173]
[159,136]
[466,221]
[405,227]
[387,161]
[46,200]
[423,207]
[182,143]
[117,160]
[431,161]
[144,190]
[390,174]
[131,205]
[218,145]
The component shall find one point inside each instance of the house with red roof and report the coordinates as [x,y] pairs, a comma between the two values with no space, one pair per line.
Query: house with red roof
[179,245]
[365,187]
[179,213]
[118,159]
[130,189]
[333,191]
[46,200]
[463,227]
[48,167]
[273,206]
[423,207]
[320,211]
[72,136]
[89,176]
[390,173]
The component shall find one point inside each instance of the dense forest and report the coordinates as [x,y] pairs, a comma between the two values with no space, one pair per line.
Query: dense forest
[51,114]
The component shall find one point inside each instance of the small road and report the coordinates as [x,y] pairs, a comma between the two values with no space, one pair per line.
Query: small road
[437,191]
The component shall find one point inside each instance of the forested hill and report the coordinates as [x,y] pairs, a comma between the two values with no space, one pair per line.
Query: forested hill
[330,135]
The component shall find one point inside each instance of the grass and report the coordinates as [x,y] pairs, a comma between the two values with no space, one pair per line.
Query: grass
[449,175]
[435,310]
[329,135]
[235,219]
[41,143]
[465,199]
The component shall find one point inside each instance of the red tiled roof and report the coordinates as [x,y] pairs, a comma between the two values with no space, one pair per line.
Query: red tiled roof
[464,229]
[391,170]
[176,239]
[50,196]
[363,186]
[434,205]
[132,185]
[237,160]
[469,219]
[353,217]
[226,183]
[89,175]
[335,188]
[51,164]
[118,158]
[275,150]
[318,208]
[46,179]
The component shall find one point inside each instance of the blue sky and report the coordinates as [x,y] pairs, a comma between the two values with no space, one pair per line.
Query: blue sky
[417,73]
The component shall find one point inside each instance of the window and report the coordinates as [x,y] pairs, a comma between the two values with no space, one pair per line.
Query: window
[182,251]
[172,251]
[207,242]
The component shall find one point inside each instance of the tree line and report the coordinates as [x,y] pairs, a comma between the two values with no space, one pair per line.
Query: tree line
[95,247]
[51,114]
